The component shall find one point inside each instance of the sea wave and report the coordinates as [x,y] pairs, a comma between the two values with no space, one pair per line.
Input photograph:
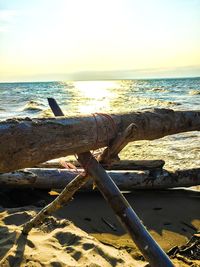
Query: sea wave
[33,105]
[155,102]
[159,89]
[46,113]
[194,92]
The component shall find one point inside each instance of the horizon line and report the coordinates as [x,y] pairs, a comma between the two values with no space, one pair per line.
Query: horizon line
[103,79]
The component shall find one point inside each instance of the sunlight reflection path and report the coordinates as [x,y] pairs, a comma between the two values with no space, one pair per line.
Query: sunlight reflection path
[96,95]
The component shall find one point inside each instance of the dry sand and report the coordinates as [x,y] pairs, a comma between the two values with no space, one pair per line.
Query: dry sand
[86,232]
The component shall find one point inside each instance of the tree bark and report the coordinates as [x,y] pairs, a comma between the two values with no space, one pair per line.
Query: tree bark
[118,165]
[125,180]
[27,142]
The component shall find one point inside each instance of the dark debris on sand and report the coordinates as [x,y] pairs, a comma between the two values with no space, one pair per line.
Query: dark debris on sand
[189,251]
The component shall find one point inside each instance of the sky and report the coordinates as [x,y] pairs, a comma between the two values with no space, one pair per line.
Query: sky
[98,39]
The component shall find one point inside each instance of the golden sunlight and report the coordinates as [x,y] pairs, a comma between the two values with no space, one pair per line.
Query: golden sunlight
[97,95]
[95,89]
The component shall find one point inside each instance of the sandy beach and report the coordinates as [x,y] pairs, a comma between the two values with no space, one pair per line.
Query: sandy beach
[100,88]
[86,232]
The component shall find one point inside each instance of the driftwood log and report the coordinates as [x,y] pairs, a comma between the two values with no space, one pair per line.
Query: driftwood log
[27,142]
[118,165]
[125,180]
[150,249]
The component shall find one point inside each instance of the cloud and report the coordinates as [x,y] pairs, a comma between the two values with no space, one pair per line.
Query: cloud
[4,28]
[6,19]
[173,72]
[7,15]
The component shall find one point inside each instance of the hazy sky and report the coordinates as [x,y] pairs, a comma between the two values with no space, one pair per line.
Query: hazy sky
[61,39]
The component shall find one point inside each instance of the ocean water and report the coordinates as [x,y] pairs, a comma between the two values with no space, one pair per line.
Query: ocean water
[179,151]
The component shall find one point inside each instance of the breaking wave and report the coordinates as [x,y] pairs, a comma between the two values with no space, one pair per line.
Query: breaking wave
[142,101]
[33,105]
[194,92]
[159,89]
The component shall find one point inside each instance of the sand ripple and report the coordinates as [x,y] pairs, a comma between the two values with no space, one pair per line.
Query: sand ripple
[58,243]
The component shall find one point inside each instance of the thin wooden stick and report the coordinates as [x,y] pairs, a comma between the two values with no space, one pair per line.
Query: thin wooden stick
[119,165]
[110,154]
[124,212]
[58,203]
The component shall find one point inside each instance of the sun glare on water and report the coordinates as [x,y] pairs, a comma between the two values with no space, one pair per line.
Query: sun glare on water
[95,89]
[97,95]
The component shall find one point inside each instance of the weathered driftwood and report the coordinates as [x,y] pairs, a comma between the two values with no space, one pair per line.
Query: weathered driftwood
[110,153]
[27,142]
[150,249]
[125,180]
[62,199]
[119,165]
[152,252]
